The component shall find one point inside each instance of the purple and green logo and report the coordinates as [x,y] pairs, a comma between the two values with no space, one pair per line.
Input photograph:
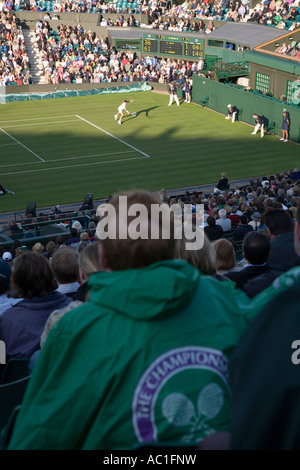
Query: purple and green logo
[184,390]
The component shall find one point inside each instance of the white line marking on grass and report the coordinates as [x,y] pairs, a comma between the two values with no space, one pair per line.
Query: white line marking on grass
[4,145]
[73,166]
[114,137]
[39,124]
[89,156]
[21,144]
[36,119]
[65,159]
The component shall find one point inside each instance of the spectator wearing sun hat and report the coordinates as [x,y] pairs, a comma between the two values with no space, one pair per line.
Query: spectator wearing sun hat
[38,248]
[255,220]
[76,224]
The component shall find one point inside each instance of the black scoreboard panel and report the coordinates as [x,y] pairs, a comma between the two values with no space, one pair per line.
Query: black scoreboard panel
[193,50]
[179,46]
[170,47]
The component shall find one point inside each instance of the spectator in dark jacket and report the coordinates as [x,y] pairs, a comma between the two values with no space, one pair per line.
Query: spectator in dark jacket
[280,230]
[21,325]
[243,228]
[223,182]
[74,238]
[212,231]
[256,250]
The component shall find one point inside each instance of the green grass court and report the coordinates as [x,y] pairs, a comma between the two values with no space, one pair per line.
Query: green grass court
[55,151]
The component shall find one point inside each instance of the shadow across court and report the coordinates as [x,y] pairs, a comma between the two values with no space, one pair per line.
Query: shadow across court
[146,111]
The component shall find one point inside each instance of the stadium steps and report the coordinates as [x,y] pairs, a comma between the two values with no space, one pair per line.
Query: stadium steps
[34,57]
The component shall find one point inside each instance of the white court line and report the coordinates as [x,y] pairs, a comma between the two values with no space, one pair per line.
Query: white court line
[21,144]
[39,124]
[4,145]
[73,166]
[36,119]
[114,137]
[65,159]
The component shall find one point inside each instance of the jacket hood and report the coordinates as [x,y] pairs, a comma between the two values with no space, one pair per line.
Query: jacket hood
[153,292]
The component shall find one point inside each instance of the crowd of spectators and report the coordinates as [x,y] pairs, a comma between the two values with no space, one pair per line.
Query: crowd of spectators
[87,293]
[248,241]
[14,61]
[278,13]
[232,212]
[292,50]
[73,55]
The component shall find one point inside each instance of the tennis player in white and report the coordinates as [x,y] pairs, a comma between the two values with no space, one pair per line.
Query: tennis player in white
[122,109]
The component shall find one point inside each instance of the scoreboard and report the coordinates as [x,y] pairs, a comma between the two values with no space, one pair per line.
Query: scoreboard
[170,47]
[177,46]
[150,45]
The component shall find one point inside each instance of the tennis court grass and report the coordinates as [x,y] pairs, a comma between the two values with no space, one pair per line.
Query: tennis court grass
[55,151]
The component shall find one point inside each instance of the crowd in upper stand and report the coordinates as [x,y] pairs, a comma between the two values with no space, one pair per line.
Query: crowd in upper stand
[14,61]
[76,55]
[282,14]
[86,54]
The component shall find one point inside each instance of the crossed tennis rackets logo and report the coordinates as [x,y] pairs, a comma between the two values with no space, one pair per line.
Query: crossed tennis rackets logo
[179,410]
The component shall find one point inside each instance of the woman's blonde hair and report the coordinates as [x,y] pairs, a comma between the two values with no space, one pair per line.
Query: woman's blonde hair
[89,259]
[203,259]
[225,254]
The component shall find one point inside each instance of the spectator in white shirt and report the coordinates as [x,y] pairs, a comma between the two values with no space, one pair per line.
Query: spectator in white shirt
[223,221]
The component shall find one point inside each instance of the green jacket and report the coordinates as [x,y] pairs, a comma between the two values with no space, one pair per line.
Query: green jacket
[144,359]
[281,284]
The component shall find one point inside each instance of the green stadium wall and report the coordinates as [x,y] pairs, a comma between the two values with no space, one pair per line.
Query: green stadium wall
[217,96]
[227,55]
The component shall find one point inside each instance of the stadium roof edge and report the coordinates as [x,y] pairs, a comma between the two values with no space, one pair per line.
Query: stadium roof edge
[280,63]
[246,34]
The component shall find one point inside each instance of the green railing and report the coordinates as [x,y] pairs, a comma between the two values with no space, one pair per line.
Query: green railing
[226,70]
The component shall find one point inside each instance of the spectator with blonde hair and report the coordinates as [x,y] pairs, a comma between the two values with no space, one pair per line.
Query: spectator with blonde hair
[50,249]
[203,259]
[225,255]
[84,241]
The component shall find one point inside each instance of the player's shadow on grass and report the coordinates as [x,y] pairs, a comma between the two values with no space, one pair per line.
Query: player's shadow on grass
[146,111]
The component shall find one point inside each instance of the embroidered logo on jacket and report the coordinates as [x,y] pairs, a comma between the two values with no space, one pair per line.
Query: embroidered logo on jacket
[183,393]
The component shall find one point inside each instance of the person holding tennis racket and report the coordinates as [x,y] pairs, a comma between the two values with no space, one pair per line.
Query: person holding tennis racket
[121,109]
